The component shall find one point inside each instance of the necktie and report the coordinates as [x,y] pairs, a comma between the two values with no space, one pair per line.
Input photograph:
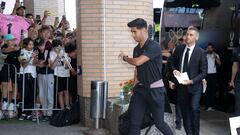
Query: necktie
[185,62]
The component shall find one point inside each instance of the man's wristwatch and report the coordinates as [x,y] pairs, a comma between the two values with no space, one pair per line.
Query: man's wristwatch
[124,57]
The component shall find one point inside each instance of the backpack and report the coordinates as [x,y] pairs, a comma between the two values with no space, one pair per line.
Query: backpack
[62,118]
[124,122]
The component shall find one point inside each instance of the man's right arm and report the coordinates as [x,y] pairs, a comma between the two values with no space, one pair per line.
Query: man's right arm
[173,62]
[234,72]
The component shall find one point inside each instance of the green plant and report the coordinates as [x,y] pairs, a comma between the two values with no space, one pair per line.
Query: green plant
[127,86]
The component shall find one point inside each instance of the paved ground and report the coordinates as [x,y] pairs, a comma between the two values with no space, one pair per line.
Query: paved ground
[212,123]
[30,128]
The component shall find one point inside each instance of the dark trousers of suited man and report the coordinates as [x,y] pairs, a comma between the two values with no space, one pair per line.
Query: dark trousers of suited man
[237,95]
[189,91]
[235,79]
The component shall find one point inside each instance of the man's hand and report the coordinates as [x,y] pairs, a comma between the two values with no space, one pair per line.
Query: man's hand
[204,81]
[73,72]
[41,63]
[176,72]
[121,55]
[187,82]
[231,84]
[16,48]
[171,85]
[46,14]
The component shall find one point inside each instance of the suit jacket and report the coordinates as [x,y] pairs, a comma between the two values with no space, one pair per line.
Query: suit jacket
[197,66]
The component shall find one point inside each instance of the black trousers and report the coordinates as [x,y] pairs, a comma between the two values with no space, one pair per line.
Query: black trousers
[190,107]
[28,92]
[178,113]
[211,90]
[152,99]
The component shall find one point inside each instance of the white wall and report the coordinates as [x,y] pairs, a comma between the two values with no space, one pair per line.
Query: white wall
[70,9]
[158,3]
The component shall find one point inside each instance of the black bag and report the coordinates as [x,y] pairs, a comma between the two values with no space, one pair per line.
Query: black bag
[75,111]
[62,118]
[124,122]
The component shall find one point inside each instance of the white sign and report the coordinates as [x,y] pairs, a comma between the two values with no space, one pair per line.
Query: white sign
[234,124]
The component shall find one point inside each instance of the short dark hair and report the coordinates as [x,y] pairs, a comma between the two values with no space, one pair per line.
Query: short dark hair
[139,23]
[26,41]
[69,48]
[210,44]
[21,7]
[29,14]
[69,35]
[56,42]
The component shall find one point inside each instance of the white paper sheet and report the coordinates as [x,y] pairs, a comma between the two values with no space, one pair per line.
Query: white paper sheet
[182,77]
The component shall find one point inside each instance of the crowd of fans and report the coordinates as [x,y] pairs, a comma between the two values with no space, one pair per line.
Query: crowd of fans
[39,60]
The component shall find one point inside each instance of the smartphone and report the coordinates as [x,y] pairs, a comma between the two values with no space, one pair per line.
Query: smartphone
[57,19]
[38,19]
[64,18]
[3,3]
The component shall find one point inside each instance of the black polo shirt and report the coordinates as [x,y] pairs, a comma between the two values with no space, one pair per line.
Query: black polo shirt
[236,55]
[150,71]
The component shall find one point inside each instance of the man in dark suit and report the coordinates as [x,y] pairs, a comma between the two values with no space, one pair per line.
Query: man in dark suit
[191,59]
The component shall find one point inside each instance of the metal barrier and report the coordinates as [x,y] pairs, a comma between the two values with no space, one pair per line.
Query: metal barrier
[99,95]
[37,108]
[6,113]
[22,81]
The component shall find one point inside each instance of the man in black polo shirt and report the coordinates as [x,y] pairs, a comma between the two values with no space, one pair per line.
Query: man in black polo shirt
[235,79]
[149,89]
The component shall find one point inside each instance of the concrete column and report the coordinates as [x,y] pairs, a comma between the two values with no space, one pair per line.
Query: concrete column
[100,40]
[37,7]
[101,33]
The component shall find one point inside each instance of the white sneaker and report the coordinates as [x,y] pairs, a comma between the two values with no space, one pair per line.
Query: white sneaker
[210,109]
[4,106]
[12,114]
[11,107]
[1,115]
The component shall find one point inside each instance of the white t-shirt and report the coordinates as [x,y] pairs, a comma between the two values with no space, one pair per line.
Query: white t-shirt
[30,68]
[211,63]
[60,70]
